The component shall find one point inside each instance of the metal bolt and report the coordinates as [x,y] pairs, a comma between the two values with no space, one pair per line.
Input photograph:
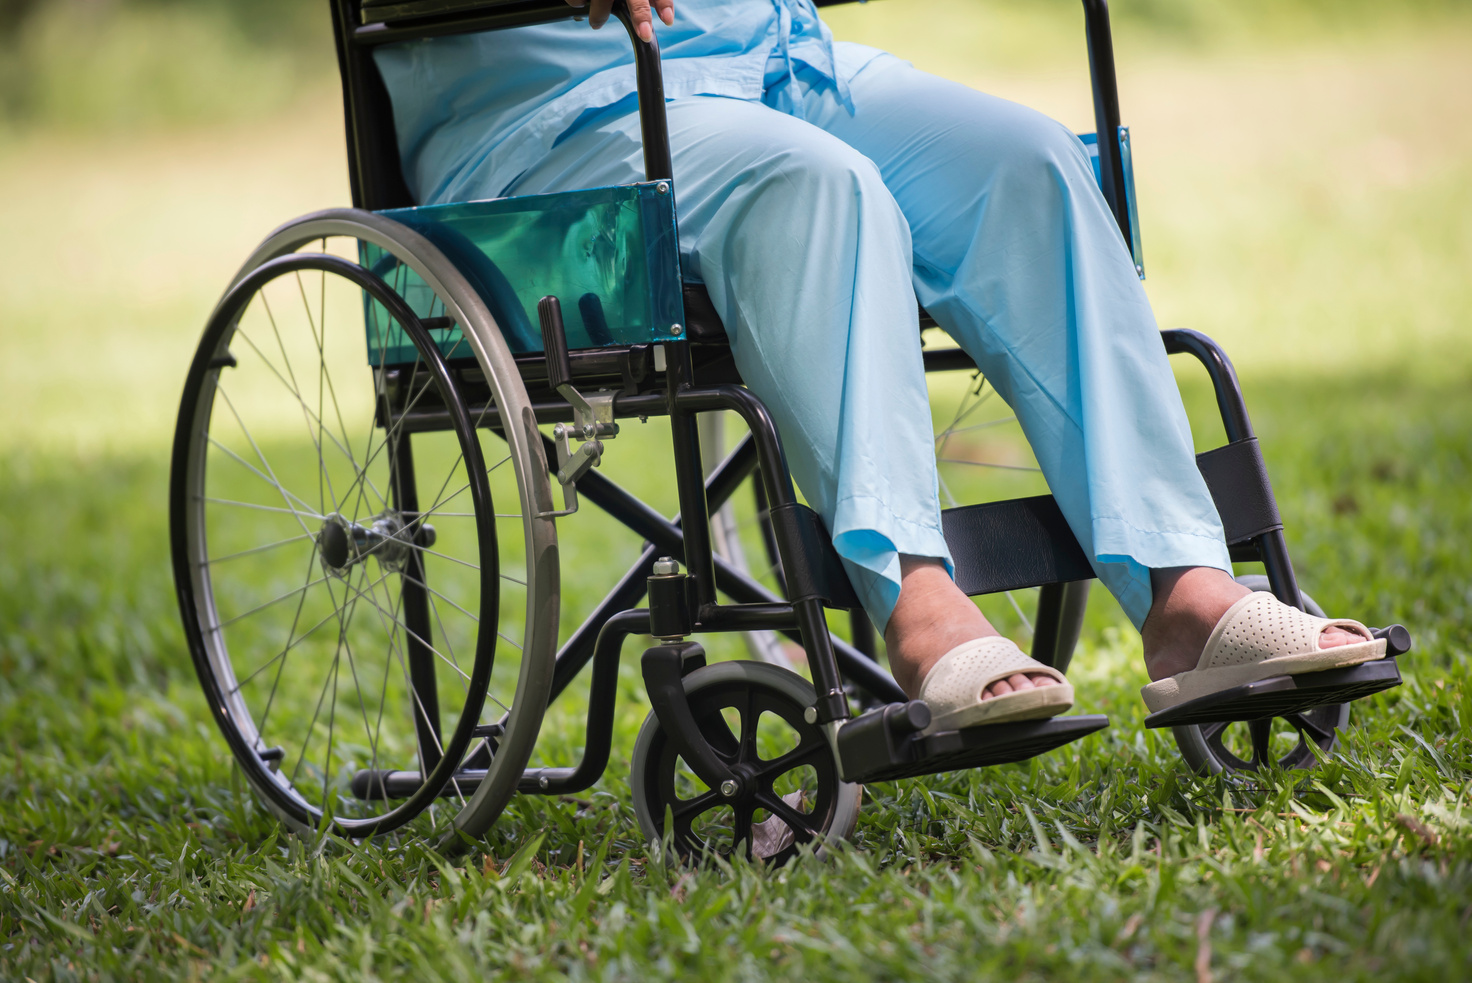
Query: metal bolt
[728,788]
[544,783]
[559,430]
[663,187]
[666,566]
[676,330]
[810,715]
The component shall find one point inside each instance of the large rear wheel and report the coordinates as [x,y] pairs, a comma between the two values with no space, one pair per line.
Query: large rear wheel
[368,589]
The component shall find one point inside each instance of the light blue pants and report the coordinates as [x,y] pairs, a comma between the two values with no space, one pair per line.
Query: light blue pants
[815,231]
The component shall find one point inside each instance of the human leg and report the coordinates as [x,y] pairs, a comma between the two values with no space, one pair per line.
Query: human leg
[806,258]
[1019,258]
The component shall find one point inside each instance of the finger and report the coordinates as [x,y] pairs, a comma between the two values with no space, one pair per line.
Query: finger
[666,10]
[642,18]
[598,13]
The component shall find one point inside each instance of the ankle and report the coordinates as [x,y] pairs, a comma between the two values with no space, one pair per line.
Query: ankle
[1188,602]
[932,617]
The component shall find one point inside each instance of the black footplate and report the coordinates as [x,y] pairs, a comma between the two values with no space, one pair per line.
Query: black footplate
[884,745]
[1278,696]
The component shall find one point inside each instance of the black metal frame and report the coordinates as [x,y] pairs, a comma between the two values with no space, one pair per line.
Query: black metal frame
[701,378]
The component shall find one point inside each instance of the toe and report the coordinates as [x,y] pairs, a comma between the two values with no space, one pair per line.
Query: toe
[1335,637]
[999,688]
[1019,682]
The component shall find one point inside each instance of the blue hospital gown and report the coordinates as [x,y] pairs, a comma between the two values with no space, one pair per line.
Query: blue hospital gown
[822,187]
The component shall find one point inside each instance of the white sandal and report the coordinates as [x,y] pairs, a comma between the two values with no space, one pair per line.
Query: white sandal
[953,686]
[1259,637]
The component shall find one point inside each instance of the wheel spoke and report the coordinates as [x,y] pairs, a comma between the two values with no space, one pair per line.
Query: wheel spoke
[702,803]
[1307,727]
[260,508]
[275,600]
[952,431]
[1261,732]
[294,387]
[255,549]
[1017,609]
[368,731]
[1213,734]
[311,417]
[741,830]
[749,717]
[292,642]
[459,458]
[718,735]
[286,496]
[811,750]
[409,631]
[428,589]
[295,620]
[433,727]
[799,823]
[393,431]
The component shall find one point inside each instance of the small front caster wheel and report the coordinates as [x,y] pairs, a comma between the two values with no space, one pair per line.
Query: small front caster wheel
[752,714]
[1288,742]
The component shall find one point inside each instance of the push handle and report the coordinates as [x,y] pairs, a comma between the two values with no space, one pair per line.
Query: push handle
[1106,110]
[654,127]
[554,342]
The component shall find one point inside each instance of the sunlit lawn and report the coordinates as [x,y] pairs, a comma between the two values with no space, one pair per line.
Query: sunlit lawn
[1308,204]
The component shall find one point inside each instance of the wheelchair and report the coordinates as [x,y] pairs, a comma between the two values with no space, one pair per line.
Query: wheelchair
[365,535]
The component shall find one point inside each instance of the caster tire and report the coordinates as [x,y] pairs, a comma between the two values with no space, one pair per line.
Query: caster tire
[1214,749]
[752,713]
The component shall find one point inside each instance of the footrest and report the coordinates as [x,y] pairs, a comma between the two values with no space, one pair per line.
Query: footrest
[1278,696]
[974,747]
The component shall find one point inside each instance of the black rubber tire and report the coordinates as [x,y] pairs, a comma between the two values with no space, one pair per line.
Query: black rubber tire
[751,688]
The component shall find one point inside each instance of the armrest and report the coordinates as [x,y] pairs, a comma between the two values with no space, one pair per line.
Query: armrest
[395,11]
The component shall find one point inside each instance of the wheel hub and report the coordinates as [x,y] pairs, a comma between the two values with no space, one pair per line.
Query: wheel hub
[344,543]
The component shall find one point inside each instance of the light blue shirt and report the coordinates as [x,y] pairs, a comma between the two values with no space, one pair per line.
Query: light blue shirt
[494,103]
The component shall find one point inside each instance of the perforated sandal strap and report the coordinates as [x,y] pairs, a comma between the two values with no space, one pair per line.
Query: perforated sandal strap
[1259,627]
[963,673]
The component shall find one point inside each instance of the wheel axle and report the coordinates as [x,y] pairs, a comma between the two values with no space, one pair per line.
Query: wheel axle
[343,543]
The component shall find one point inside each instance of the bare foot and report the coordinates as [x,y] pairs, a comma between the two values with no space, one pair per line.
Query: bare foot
[933,617]
[1188,603]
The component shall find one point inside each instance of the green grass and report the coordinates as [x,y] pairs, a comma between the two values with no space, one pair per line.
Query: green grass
[129,847]
[1305,202]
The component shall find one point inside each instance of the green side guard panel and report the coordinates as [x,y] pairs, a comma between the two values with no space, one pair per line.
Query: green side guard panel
[610,255]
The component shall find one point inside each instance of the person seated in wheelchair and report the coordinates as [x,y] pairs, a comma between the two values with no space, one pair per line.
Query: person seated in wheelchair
[822,187]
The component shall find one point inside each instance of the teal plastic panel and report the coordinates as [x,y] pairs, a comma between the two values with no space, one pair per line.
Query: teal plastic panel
[1091,144]
[610,255]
